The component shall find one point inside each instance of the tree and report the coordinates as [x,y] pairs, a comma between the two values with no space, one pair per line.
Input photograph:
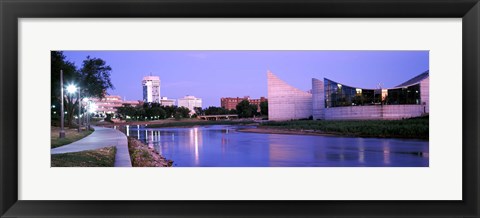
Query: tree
[169,110]
[158,112]
[126,110]
[182,112]
[95,77]
[199,111]
[245,109]
[57,63]
[216,111]
[264,108]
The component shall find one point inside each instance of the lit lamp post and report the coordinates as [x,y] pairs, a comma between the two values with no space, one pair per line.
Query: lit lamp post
[62,130]
[73,89]
[87,111]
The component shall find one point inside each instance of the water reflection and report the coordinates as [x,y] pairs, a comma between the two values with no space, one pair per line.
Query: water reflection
[224,146]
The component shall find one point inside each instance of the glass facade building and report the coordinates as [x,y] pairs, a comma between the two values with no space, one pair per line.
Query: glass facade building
[339,95]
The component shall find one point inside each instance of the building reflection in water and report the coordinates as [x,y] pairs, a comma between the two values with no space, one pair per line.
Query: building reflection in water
[281,155]
[150,142]
[386,152]
[138,132]
[224,147]
[361,150]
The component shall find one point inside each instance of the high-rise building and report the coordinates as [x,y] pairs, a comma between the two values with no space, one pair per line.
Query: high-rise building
[189,102]
[151,89]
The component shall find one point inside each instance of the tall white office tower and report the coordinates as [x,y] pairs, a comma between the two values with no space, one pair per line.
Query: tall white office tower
[151,89]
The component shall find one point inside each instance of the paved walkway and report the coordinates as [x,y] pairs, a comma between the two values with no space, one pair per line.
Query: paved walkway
[100,138]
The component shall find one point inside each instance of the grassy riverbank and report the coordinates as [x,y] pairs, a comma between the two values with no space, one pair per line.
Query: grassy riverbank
[200,123]
[144,156]
[104,157]
[408,128]
[71,135]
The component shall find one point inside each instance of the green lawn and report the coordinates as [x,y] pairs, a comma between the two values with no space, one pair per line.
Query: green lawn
[407,128]
[104,157]
[71,135]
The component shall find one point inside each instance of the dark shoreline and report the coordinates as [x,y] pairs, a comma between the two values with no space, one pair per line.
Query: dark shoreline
[269,130]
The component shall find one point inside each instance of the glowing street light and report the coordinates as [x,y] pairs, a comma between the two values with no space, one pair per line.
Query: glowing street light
[72,89]
[62,130]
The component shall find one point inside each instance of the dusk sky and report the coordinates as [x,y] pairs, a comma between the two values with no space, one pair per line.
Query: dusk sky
[211,75]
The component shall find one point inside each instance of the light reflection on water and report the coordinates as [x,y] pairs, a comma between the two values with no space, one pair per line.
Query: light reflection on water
[224,146]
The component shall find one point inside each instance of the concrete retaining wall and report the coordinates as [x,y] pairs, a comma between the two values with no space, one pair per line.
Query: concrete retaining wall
[375,112]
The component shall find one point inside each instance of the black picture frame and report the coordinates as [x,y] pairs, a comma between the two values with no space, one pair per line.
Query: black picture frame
[12,10]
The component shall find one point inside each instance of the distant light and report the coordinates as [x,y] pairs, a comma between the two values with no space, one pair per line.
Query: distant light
[71,89]
[53,106]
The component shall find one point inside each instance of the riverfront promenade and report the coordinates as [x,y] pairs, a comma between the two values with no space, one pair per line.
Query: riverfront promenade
[100,138]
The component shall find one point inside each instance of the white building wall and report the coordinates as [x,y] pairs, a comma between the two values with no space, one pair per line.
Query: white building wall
[318,99]
[425,93]
[190,102]
[152,85]
[374,112]
[286,102]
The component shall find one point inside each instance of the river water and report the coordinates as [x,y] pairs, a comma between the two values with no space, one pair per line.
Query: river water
[224,146]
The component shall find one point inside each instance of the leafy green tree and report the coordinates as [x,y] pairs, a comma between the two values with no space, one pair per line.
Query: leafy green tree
[139,112]
[95,77]
[264,108]
[246,110]
[169,110]
[216,111]
[126,110]
[159,113]
[58,62]
[183,112]
[198,111]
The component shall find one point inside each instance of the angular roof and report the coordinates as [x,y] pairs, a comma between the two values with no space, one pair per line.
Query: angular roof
[415,80]
[274,80]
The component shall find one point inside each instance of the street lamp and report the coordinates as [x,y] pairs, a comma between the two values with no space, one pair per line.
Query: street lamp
[88,109]
[72,89]
[62,130]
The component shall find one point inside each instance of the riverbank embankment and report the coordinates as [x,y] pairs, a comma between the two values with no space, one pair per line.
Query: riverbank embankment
[414,128]
[144,156]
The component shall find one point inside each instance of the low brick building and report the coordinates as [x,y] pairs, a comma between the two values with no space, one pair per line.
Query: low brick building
[231,103]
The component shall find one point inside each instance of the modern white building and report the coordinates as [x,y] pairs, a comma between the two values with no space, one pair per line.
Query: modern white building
[167,102]
[151,89]
[330,100]
[190,102]
[286,102]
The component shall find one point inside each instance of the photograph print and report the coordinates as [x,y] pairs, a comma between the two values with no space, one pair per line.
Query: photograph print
[240,108]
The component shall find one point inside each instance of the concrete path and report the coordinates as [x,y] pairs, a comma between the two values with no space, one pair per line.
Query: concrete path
[100,138]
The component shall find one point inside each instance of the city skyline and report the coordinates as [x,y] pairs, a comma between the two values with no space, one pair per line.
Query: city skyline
[211,75]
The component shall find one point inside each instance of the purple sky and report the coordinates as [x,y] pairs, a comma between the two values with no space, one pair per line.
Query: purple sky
[211,75]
